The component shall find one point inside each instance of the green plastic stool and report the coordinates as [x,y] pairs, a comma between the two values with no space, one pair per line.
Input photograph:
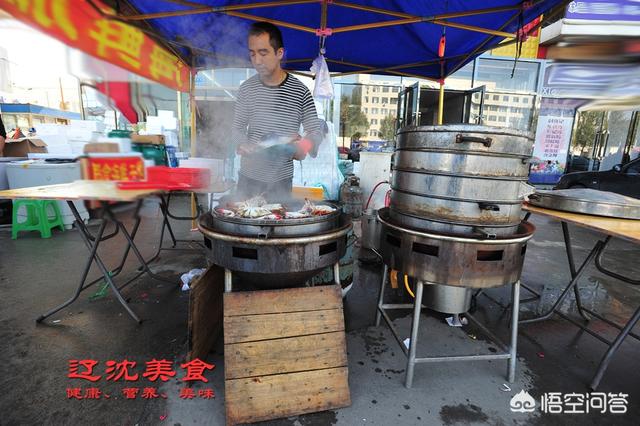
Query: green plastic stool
[38,217]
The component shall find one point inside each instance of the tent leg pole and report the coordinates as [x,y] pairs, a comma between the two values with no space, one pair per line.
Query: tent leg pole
[441,103]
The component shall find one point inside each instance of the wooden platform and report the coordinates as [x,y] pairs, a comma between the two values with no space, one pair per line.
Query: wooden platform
[285,353]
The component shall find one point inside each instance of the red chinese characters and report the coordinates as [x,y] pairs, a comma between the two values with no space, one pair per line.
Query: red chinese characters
[195,369]
[159,369]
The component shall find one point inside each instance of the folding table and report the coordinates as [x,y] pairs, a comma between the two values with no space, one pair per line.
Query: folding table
[105,192]
[626,229]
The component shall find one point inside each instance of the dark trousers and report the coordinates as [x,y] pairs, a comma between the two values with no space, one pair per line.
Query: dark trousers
[272,191]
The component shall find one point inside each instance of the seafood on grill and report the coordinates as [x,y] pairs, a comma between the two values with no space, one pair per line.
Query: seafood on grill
[258,208]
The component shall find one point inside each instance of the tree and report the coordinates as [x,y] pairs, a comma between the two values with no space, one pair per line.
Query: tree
[352,119]
[388,128]
[588,126]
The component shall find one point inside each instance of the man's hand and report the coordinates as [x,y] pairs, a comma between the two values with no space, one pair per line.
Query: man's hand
[303,146]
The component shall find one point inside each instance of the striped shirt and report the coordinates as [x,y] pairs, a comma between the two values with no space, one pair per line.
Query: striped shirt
[262,111]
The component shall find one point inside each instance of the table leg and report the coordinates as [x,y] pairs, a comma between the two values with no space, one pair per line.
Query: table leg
[613,348]
[572,269]
[98,260]
[93,248]
[594,252]
[132,245]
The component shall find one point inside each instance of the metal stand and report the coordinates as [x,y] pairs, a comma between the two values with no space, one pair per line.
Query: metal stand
[595,255]
[509,352]
[92,243]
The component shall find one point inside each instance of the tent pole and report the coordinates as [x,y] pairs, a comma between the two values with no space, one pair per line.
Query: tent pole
[209,9]
[192,112]
[441,103]
[271,21]
[442,16]
[427,20]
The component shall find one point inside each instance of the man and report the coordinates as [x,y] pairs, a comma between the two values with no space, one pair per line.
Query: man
[3,136]
[270,108]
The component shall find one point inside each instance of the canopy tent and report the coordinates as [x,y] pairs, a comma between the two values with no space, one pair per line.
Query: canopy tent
[390,37]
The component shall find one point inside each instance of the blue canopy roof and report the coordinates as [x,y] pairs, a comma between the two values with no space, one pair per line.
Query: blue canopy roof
[212,33]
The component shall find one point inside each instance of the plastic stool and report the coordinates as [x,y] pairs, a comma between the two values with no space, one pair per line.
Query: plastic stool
[38,218]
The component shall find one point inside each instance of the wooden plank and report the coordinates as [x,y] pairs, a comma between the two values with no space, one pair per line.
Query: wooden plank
[282,395]
[627,229]
[205,312]
[79,190]
[285,300]
[288,355]
[248,328]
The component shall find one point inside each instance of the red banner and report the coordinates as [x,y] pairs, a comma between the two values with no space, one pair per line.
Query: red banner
[79,25]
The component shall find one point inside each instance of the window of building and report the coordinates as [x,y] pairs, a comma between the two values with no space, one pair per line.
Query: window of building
[366,110]
[502,119]
[505,98]
[493,108]
[502,109]
[492,118]
[514,109]
[497,72]
[384,111]
[395,89]
[385,89]
[393,101]
[372,132]
[374,110]
[375,100]
[516,99]
[525,100]
[496,97]
[374,121]
[366,99]
[486,97]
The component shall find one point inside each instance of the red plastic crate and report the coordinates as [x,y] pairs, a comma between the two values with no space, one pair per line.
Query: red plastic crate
[179,177]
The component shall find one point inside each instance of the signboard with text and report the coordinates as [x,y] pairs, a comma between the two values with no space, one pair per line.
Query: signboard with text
[79,25]
[553,135]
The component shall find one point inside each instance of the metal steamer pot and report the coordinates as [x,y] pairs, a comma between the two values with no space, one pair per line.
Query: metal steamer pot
[461,179]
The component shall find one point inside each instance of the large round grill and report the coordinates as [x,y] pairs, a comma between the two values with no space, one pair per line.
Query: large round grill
[275,253]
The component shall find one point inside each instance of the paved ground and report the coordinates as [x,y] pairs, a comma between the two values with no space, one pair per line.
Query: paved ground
[554,356]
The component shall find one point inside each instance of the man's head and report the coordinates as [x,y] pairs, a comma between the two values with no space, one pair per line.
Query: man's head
[265,48]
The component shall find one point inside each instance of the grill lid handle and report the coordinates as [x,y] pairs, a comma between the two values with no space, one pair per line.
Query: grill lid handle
[460,138]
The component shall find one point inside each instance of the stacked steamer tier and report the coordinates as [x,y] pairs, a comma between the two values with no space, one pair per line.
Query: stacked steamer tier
[454,220]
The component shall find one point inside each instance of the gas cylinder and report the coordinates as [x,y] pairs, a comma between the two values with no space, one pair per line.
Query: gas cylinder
[351,196]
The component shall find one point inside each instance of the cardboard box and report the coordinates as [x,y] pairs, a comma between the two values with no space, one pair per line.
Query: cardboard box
[101,147]
[152,139]
[22,147]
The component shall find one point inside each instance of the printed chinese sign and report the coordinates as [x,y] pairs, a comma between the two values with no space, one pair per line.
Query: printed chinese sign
[79,25]
[136,384]
[553,135]
[116,168]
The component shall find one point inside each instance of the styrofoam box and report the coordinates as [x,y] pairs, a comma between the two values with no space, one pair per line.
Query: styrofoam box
[91,125]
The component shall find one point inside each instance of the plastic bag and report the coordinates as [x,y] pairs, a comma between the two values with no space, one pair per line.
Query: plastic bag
[323,86]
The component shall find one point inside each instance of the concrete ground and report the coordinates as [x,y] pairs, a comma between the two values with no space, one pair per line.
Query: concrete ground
[554,356]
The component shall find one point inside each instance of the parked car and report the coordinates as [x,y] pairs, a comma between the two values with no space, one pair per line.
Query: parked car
[621,179]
